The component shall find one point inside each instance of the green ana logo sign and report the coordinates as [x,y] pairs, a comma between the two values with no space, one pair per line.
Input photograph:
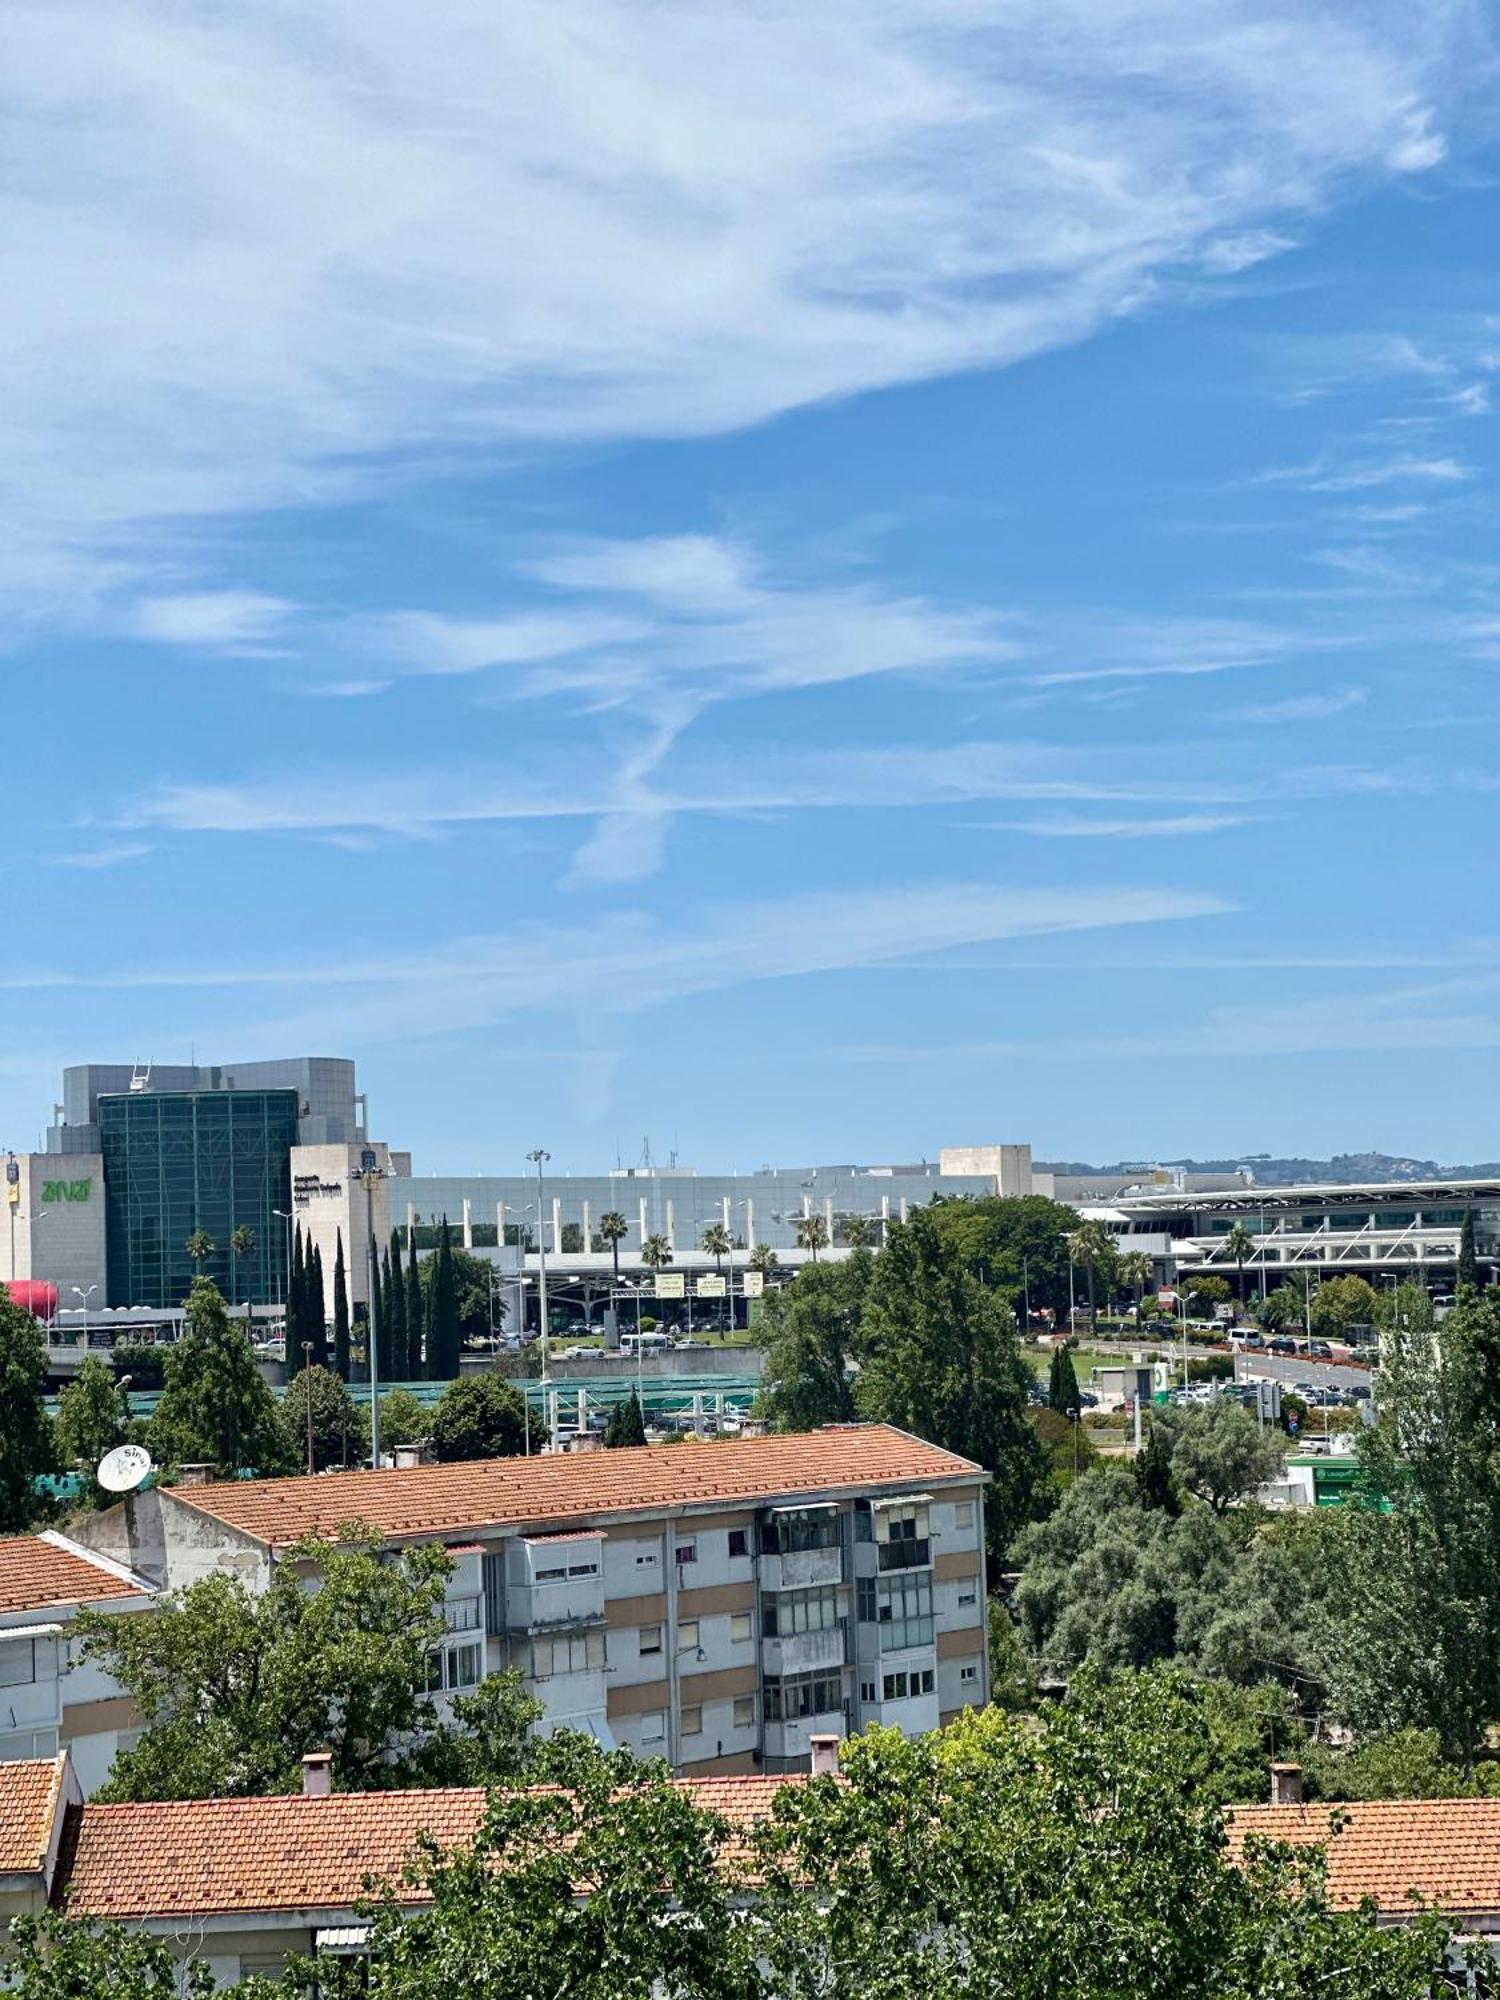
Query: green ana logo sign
[66,1190]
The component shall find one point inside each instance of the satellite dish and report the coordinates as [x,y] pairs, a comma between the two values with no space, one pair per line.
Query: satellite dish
[123,1469]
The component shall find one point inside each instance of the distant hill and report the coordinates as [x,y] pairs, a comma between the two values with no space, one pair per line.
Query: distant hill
[1272,1171]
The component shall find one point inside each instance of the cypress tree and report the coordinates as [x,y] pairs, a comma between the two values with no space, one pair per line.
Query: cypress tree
[627,1424]
[1468,1262]
[340,1311]
[442,1325]
[387,1344]
[1062,1384]
[397,1340]
[317,1303]
[294,1333]
[1153,1475]
[377,1308]
[414,1311]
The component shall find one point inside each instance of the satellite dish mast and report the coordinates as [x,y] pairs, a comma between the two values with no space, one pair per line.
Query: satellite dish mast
[123,1469]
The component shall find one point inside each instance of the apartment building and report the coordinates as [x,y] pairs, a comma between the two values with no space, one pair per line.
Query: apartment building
[716,1604]
[49,1698]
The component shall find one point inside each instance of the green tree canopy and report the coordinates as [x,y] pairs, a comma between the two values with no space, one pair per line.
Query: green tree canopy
[216,1408]
[1062,1383]
[403,1420]
[811,1331]
[1018,1243]
[53,1957]
[440,1283]
[340,1429]
[92,1419]
[480,1416]
[28,1445]
[1340,1303]
[627,1424]
[340,1312]
[1219,1452]
[236,1687]
[941,1359]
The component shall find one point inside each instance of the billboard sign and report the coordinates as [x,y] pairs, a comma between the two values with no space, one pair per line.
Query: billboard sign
[670,1285]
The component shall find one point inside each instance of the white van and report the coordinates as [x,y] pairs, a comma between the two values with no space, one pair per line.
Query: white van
[645,1343]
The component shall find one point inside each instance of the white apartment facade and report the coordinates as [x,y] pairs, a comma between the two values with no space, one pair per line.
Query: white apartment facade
[714,1604]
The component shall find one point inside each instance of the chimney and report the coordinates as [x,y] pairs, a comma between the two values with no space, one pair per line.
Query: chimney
[1286,1784]
[418,1453]
[195,1475]
[317,1774]
[825,1755]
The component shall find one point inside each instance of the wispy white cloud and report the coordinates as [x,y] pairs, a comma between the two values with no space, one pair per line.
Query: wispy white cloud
[1082,826]
[1304,707]
[112,854]
[213,621]
[1323,477]
[721,214]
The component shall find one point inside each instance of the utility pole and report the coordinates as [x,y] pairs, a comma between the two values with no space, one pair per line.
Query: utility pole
[369,1173]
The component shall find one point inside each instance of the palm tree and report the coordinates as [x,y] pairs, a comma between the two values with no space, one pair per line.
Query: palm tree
[1090,1244]
[200,1247]
[718,1243]
[1135,1271]
[857,1231]
[812,1234]
[656,1252]
[763,1259]
[614,1229]
[241,1244]
[1239,1244]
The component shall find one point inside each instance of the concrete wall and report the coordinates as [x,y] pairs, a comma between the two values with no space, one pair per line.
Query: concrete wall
[56,1224]
[328,1200]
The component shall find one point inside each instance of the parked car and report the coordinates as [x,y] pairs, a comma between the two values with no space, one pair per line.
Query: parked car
[1281,1345]
[1319,1350]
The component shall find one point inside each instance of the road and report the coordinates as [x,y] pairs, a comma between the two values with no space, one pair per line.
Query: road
[1290,1368]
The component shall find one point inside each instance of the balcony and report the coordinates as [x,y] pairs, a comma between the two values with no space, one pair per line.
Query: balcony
[803,1652]
[801,1569]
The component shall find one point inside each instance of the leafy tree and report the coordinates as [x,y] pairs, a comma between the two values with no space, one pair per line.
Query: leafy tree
[1016,1243]
[1284,1310]
[236,1686]
[403,1419]
[810,1329]
[1067,1853]
[442,1311]
[92,1418]
[399,1336]
[416,1314]
[1340,1303]
[1206,1290]
[1152,1468]
[614,1229]
[54,1957]
[1069,1449]
[216,1409]
[656,1253]
[1413,1594]
[1407,1306]
[940,1358]
[340,1429]
[812,1234]
[480,1416]
[627,1424]
[28,1446]
[472,1281]
[1062,1383]
[1238,1246]
[1401,1764]
[1012,1676]
[341,1362]
[200,1247]
[857,1231]
[1219,1452]
[1468,1261]
[1112,1582]
[488,1740]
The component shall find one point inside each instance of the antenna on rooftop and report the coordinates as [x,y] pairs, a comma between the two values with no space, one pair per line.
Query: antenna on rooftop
[123,1469]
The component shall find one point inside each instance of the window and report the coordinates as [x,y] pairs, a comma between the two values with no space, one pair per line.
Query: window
[740,1627]
[553,1573]
[692,1721]
[463,1614]
[787,1612]
[686,1552]
[902,1535]
[802,1695]
[903,1611]
[790,1530]
[744,1711]
[17,1662]
[566,1653]
[646,1558]
[865,1600]
[650,1637]
[653,1726]
[969,1672]
[687,1635]
[903,1687]
[451,1667]
[867,1691]
[963,1514]
[969,1596]
[739,1542]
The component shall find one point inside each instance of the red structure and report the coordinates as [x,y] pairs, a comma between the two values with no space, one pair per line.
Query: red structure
[34,1295]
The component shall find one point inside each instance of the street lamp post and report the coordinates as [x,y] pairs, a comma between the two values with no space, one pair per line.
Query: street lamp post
[539,1157]
[369,1174]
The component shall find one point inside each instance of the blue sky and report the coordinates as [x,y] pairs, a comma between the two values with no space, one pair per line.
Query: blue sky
[804,583]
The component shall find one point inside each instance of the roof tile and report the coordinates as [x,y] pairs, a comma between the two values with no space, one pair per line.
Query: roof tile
[1446,1852]
[28,1807]
[35,1572]
[423,1500]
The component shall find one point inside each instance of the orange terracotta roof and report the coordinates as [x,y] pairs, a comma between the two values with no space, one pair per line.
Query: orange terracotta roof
[422,1500]
[206,1856]
[1446,1851]
[35,1573]
[28,1809]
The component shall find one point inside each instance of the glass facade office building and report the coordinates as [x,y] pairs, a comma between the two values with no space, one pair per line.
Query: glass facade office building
[176,1162]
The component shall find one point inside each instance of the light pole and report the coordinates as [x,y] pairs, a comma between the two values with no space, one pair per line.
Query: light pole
[369,1174]
[539,1157]
[307,1355]
[85,1293]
